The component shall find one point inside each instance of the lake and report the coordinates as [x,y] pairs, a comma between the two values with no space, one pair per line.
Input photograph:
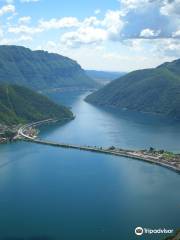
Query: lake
[63,194]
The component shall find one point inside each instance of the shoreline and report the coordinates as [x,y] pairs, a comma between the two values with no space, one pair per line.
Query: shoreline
[129,110]
[122,153]
[143,155]
[29,133]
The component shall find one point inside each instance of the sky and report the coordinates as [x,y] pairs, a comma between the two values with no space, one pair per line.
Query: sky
[110,35]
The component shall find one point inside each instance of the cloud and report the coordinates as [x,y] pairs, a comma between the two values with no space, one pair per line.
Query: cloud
[24,20]
[7,9]
[87,31]
[93,30]
[90,21]
[170,8]
[66,22]
[129,5]
[149,33]
[140,29]
[23,29]
[176,34]
[25,38]
[84,35]
[114,24]
[168,47]
[159,48]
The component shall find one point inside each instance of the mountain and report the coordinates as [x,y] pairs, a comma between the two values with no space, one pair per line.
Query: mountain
[20,105]
[103,77]
[41,70]
[154,90]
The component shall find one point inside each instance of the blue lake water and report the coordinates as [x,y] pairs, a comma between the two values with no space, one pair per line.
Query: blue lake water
[62,194]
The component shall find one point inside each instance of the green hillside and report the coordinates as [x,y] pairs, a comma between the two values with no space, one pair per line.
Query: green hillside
[21,105]
[41,70]
[151,90]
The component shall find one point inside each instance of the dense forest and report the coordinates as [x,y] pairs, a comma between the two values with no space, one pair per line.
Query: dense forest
[154,90]
[41,70]
[20,105]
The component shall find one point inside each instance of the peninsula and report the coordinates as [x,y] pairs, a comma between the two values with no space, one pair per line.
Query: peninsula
[163,158]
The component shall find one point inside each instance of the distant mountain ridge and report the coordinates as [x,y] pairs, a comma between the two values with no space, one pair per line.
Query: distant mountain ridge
[41,70]
[104,77]
[21,105]
[154,90]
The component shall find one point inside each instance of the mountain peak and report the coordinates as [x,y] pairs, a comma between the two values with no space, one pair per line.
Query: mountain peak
[41,70]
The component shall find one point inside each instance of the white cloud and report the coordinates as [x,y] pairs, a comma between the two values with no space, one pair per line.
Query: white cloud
[149,33]
[170,7]
[93,30]
[135,44]
[54,23]
[24,20]
[134,4]
[25,38]
[160,48]
[102,37]
[84,35]
[23,29]
[113,23]
[7,9]
[168,47]
[176,34]
[91,21]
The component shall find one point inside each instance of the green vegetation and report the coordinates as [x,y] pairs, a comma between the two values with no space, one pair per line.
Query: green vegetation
[169,155]
[166,155]
[21,105]
[8,134]
[41,70]
[151,90]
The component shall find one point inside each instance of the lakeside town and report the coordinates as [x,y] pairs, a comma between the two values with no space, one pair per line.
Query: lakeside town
[11,133]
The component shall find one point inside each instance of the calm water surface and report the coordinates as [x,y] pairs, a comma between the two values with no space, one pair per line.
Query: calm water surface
[74,195]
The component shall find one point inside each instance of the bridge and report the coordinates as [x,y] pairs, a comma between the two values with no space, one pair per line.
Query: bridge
[111,150]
